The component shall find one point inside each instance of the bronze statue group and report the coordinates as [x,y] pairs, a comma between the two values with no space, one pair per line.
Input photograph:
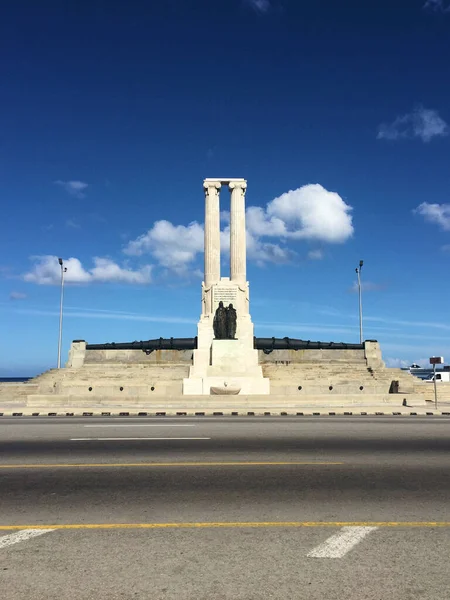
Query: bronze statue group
[225,322]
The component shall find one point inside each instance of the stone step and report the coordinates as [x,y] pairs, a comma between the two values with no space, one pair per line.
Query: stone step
[16,390]
[129,378]
[131,390]
[110,372]
[112,366]
[222,403]
[337,390]
[299,367]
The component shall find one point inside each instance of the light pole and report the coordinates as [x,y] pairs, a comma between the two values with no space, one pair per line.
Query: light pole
[63,270]
[358,272]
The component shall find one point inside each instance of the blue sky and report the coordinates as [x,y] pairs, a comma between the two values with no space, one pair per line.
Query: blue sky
[113,113]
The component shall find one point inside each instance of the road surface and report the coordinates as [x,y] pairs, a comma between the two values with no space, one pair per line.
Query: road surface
[225,508]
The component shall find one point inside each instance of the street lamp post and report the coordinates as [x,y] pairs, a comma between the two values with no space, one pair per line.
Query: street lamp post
[63,270]
[358,272]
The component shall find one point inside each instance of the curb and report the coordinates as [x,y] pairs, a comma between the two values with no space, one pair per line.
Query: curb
[220,414]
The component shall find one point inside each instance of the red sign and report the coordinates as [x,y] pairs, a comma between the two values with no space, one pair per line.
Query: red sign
[436,360]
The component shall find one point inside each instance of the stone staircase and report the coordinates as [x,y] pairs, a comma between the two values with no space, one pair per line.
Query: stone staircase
[158,385]
[336,378]
[127,380]
[427,390]
[16,392]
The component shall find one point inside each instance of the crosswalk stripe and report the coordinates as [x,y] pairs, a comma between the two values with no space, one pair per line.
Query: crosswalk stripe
[340,543]
[21,536]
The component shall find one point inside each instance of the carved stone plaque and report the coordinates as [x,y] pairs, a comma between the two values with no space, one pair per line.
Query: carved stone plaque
[226,294]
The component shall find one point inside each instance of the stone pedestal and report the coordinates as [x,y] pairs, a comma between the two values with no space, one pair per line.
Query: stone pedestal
[232,367]
[222,364]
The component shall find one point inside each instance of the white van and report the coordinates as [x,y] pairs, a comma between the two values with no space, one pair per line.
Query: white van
[440,377]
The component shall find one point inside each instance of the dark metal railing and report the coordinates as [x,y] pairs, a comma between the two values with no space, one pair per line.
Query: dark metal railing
[265,344]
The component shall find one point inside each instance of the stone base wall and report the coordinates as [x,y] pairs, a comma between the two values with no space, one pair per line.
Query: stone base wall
[157,357]
[185,356]
[225,404]
[316,356]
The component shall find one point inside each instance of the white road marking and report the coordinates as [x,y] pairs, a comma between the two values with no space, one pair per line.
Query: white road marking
[113,439]
[21,536]
[143,425]
[339,544]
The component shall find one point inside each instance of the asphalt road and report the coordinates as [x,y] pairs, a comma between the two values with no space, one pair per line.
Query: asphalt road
[225,508]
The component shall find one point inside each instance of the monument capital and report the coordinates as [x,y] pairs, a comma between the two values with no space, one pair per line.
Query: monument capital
[207,184]
[238,185]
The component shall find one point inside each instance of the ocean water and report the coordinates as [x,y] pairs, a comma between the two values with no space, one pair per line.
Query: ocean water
[14,379]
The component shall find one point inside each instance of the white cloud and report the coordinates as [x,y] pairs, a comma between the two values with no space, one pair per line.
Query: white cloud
[398,363]
[308,213]
[46,271]
[260,223]
[92,313]
[435,213]
[225,216]
[421,123]
[315,254]
[74,188]
[17,296]
[437,6]
[259,6]
[422,362]
[174,246]
[106,270]
[267,252]
[258,251]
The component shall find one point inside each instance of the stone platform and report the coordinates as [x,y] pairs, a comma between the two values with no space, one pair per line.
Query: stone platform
[318,379]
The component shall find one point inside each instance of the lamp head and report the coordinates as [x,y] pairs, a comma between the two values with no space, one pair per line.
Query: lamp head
[361,263]
[60,260]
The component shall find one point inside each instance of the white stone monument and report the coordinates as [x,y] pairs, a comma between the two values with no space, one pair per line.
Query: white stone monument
[225,366]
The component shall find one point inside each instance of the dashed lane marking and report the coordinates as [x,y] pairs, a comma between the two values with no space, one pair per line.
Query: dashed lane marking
[142,425]
[22,536]
[244,524]
[168,464]
[115,439]
[340,543]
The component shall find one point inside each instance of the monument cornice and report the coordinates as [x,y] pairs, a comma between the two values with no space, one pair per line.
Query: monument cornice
[224,180]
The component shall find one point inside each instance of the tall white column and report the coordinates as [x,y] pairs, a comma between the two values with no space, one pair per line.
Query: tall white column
[238,242]
[212,232]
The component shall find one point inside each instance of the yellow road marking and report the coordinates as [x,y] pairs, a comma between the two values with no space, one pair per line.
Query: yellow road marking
[224,525]
[166,464]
